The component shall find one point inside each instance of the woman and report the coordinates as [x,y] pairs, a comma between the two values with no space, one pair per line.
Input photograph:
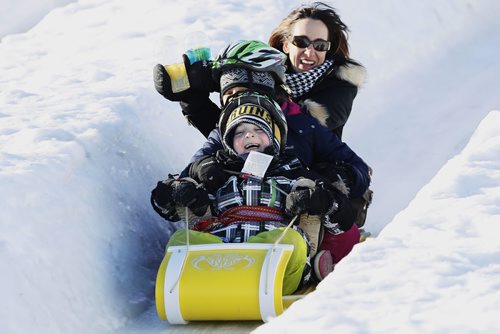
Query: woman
[320,73]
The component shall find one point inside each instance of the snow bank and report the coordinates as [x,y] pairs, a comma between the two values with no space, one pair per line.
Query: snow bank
[20,15]
[433,269]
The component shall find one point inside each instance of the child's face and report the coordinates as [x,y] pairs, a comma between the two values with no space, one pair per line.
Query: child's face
[249,137]
[232,91]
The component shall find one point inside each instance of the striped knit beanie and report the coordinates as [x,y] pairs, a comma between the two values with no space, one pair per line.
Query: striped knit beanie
[243,77]
[256,115]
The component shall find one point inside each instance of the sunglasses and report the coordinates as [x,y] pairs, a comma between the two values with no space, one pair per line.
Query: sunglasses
[318,44]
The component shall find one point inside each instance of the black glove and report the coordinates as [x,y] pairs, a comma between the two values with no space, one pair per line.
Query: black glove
[345,173]
[229,160]
[311,197]
[200,81]
[164,87]
[339,173]
[188,193]
[162,200]
[210,172]
[345,214]
[200,75]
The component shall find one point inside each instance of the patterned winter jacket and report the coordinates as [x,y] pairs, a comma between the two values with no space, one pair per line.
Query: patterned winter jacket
[263,199]
[246,206]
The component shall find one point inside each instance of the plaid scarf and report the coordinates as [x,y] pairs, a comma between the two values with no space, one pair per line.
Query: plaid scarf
[300,83]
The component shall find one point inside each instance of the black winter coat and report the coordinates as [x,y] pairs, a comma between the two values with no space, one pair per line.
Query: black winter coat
[330,99]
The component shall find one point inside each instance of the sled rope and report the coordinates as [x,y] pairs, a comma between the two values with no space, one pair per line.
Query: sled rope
[273,250]
[187,227]
[176,284]
[277,188]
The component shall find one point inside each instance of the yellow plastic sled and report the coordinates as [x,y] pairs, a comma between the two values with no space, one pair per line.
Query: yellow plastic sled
[222,282]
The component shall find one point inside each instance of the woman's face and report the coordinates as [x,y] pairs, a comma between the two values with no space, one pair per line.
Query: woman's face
[304,59]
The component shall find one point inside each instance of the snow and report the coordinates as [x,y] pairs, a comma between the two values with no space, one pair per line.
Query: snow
[84,137]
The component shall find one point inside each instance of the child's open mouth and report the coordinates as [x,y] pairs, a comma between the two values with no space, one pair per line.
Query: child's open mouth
[252,146]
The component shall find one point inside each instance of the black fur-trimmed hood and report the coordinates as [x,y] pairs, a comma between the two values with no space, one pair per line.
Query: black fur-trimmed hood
[349,71]
[316,110]
[352,73]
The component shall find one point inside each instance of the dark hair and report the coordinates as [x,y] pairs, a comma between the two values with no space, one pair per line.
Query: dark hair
[337,30]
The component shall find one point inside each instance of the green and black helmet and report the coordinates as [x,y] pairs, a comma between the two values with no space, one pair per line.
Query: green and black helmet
[251,64]
[254,55]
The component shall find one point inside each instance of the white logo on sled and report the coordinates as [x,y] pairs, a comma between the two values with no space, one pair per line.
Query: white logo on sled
[222,262]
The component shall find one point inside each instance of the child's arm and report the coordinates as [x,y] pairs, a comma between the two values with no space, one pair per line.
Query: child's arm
[209,148]
[308,196]
[322,199]
[328,148]
[209,172]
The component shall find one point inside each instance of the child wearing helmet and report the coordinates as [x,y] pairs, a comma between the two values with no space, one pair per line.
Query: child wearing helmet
[261,68]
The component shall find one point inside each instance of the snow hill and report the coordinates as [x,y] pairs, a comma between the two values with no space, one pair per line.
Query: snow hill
[84,137]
